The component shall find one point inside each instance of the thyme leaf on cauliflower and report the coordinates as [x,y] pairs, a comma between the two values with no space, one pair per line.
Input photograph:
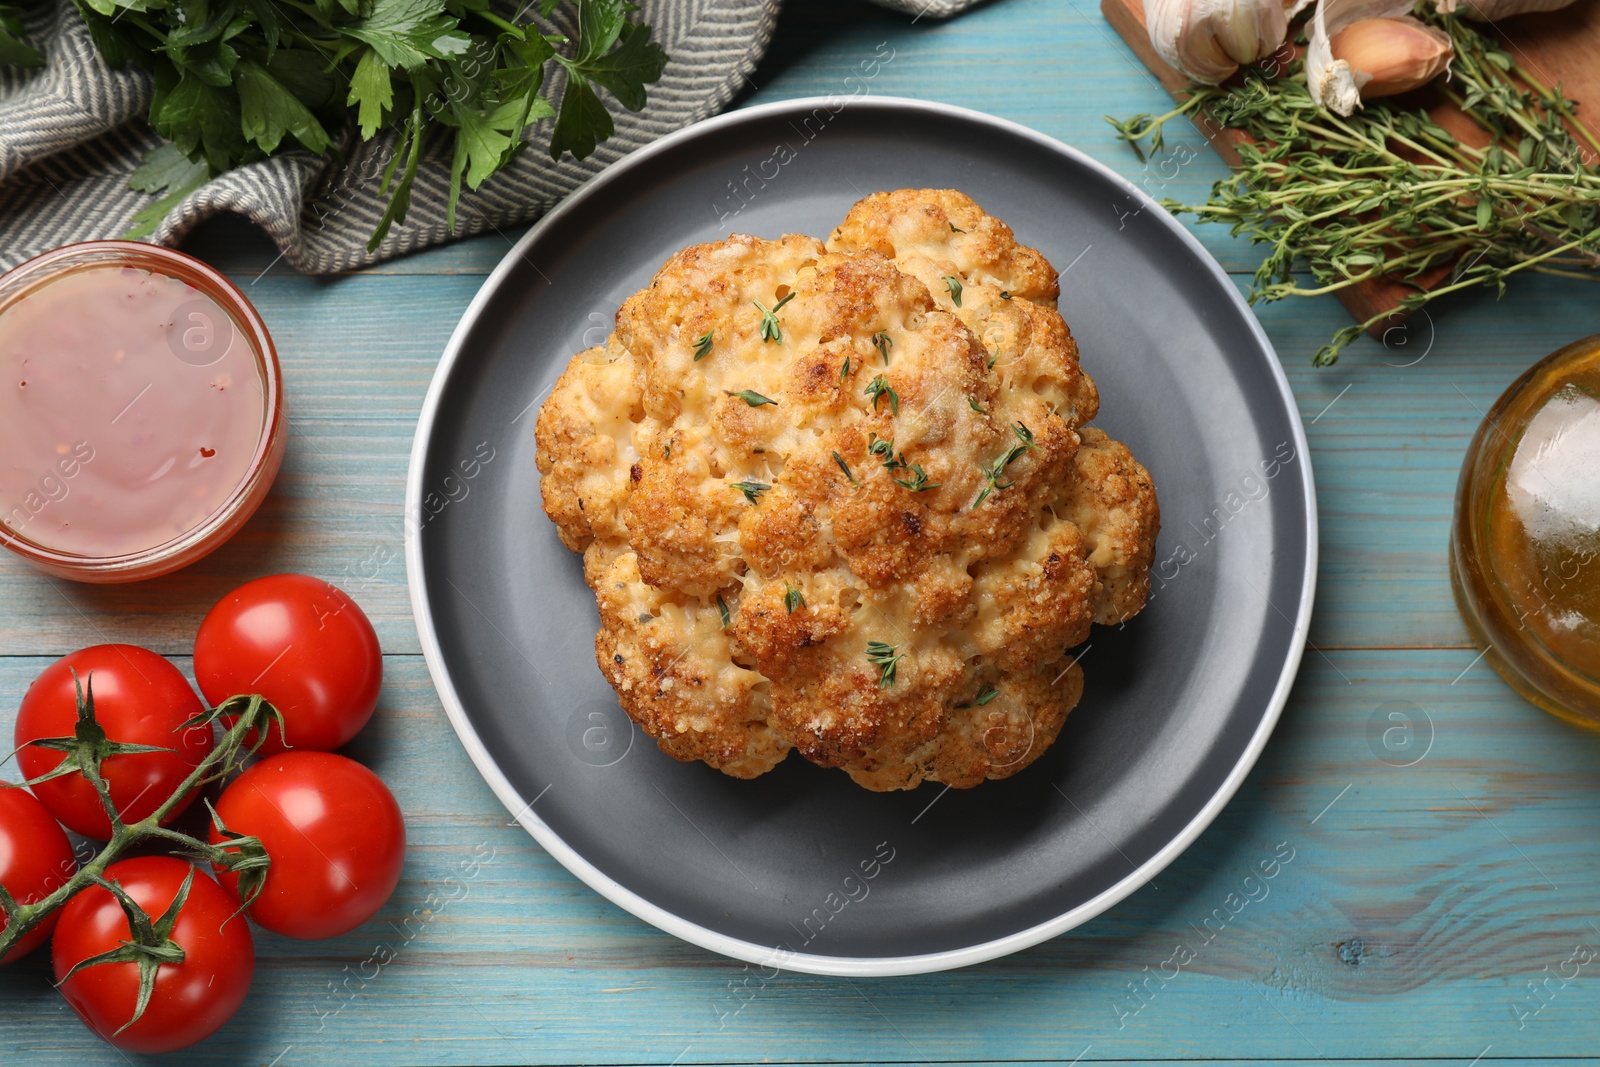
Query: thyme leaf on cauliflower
[752,490]
[702,346]
[952,283]
[771,329]
[996,469]
[753,398]
[722,609]
[878,388]
[986,693]
[884,657]
[882,342]
[792,598]
[918,482]
[845,467]
[975,406]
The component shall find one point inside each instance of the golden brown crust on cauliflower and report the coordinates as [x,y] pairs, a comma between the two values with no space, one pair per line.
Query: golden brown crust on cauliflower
[843,498]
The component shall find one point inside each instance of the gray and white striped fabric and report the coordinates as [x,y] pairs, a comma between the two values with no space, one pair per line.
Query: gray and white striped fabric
[72,131]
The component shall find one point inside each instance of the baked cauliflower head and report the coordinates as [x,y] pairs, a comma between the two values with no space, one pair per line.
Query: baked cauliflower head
[843,498]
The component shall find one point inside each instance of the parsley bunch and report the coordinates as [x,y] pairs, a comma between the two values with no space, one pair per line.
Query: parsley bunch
[14,51]
[238,80]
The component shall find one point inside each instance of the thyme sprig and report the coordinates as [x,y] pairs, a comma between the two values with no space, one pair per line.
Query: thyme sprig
[994,471]
[1386,192]
[986,694]
[771,329]
[702,345]
[752,490]
[883,342]
[884,657]
[845,467]
[918,482]
[879,388]
[953,284]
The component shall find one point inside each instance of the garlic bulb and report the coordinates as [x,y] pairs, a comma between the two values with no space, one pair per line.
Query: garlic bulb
[1370,48]
[1210,39]
[1489,10]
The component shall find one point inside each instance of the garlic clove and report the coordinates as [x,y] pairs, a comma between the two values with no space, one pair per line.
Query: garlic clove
[1338,84]
[1396,54]
[1210,39]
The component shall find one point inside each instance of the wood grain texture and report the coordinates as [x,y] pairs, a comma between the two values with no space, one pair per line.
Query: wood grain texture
[1557,48]
[1420,903]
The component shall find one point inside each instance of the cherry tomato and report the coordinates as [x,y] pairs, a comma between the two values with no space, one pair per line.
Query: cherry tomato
[335,835]
[35,860]
[139,698]
[191,999]
[305,646]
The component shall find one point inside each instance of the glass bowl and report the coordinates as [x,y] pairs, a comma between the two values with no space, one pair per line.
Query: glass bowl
[225,518]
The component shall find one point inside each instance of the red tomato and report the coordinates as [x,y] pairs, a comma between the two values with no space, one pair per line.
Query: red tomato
[139,698]
[191,999]
[335,835]
[35,860]
[305,646]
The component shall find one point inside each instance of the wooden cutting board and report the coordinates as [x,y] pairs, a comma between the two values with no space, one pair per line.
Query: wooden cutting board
[1555,47]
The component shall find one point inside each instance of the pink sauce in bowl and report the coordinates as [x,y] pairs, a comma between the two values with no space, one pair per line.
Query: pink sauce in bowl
[141,413]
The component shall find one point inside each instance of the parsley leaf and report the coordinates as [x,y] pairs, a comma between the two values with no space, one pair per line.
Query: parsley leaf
[14,51]
[238,81]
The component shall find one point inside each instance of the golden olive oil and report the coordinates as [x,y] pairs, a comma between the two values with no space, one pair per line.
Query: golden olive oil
[1525,545]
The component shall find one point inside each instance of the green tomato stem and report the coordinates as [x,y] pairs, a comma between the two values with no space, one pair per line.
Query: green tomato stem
[22,918]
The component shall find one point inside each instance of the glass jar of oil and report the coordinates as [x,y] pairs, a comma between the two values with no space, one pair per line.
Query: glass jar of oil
[1525,544]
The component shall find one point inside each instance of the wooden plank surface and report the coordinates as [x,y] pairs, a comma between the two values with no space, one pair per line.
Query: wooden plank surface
[1427,912]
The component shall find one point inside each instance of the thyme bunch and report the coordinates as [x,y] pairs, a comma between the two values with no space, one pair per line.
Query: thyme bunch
[1387,192]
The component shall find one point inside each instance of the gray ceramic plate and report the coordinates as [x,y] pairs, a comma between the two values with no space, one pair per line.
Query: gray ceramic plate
[801,868]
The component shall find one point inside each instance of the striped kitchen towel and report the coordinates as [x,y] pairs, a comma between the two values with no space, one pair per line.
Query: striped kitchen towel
[72,131]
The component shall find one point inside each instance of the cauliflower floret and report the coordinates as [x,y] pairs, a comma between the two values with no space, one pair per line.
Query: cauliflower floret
[844,499]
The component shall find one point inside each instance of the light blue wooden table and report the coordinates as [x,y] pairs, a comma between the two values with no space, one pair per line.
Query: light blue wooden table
[1440,910]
